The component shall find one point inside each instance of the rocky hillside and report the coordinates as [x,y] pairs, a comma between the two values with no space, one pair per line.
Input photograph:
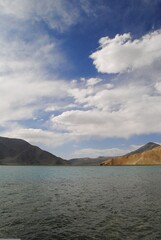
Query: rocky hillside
[20,152]
[149,154]
[144,148]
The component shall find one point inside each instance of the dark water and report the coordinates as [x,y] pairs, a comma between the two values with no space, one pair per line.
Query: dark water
[80,203]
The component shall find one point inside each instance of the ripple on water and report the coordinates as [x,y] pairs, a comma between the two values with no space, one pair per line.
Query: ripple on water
[80,203]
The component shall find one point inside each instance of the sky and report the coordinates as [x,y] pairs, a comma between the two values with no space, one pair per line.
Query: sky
[81,77]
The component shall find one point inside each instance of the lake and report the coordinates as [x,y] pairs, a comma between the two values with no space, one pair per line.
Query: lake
[89,202]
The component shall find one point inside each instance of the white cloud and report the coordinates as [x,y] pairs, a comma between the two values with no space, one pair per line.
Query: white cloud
[121,110]
[123,54]
[25,83]
[127,105]
[61,105]
[23,95]
[36,136]
[93,81]
[94,152]
[26,56]
[107,152]
[158,86]
[57,14]
[30,59]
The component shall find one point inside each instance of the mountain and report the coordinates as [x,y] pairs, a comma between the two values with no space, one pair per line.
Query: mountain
[149,154]
[19,152]
[144,148]
[87,161]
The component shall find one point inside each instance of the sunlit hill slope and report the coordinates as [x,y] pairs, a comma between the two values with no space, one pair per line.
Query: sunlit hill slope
[149,154]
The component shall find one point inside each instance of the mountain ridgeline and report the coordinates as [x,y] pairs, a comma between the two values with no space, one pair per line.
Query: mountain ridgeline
[19,152]
[149,154]
[144,148]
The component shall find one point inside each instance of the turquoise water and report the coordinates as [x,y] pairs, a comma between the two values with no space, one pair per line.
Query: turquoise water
[38,202]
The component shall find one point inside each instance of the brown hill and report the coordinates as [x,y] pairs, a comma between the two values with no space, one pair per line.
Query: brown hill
[148,157]
[146,147]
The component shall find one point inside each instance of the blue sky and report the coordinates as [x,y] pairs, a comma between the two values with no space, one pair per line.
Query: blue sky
[81,77]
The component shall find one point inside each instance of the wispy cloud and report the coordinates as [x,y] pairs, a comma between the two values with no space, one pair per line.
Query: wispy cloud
[29,64]
[54,13]
[58,14]
[25,83]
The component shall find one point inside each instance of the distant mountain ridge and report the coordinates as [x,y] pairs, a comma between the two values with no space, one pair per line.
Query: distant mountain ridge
[17,151]
[149,154]
[20,152]
[87,161]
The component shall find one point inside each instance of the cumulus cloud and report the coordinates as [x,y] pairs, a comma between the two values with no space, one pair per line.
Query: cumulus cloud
[122,109]
[123,54]
[123,123]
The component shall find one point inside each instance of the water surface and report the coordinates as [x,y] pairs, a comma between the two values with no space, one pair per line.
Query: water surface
[38,202]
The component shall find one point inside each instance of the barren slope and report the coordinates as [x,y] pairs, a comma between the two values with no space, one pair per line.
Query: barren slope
[148,157]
